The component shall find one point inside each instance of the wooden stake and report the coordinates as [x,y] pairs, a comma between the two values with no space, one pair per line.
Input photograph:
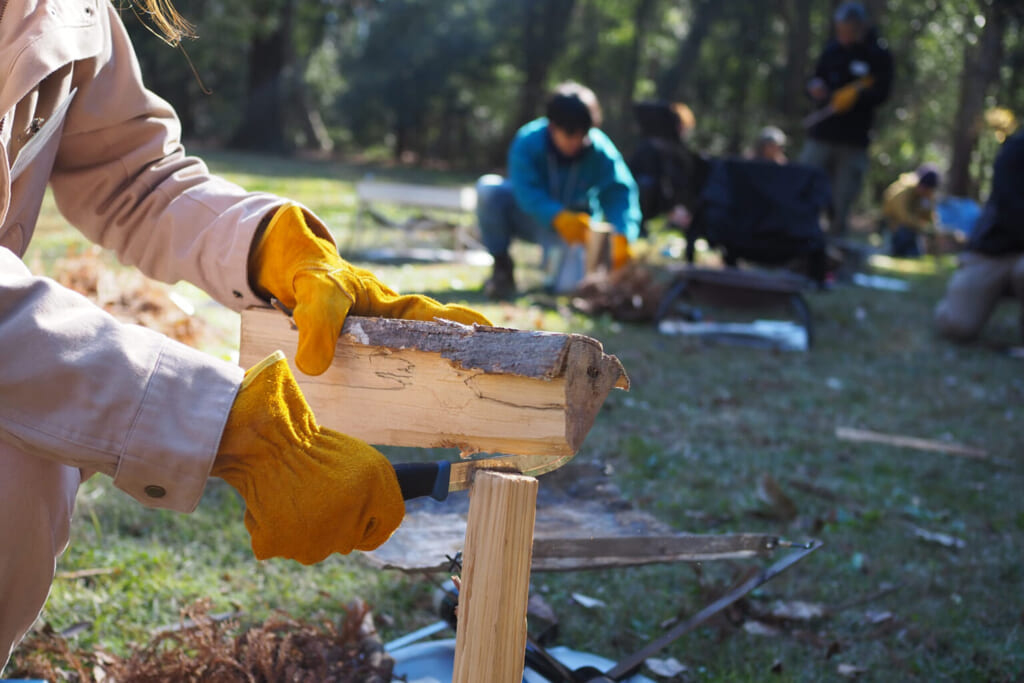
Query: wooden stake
[490,642]
[863,435]
[437,384]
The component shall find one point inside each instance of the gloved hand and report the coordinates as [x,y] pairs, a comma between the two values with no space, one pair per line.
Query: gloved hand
[621,253]
[309,491]
[296,263]
[845,97]
[572,226]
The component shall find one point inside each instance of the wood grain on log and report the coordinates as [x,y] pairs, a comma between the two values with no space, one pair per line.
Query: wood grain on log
[490,641]
[441,384]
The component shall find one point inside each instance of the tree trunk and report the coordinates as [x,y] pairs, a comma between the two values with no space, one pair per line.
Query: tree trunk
[545,25]
[262,126]
[876,11]
[750,43]
[981,68]
[673,81]
[643,11]
[797,16]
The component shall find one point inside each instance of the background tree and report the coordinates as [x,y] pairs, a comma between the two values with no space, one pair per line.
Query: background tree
[417,80]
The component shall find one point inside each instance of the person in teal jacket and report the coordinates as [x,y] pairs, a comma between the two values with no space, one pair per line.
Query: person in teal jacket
[564,173]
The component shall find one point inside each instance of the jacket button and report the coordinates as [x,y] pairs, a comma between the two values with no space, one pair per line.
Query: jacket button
[154,491]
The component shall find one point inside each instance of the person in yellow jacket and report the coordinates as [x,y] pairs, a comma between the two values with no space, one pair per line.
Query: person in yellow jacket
[908,210]
[83,394]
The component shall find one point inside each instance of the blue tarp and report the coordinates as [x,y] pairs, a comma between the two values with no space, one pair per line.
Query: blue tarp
[958,213]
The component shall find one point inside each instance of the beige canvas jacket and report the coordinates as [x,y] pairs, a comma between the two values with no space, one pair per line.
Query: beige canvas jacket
[75,385]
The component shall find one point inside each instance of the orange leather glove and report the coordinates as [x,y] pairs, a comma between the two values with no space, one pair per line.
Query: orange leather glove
[296,262]
[621,253]
[309,491]
[572,226]
[845,97]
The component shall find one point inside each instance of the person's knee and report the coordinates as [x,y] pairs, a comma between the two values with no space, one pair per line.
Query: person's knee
[953,326]
[1017,278]
[493,199]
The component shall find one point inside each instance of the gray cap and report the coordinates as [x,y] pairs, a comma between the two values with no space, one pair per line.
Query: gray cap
[772,134]
[851,11]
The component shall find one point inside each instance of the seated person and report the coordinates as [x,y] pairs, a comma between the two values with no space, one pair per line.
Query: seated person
[771,145]
[669,175]
[993,264]
[908,210]
[563,173]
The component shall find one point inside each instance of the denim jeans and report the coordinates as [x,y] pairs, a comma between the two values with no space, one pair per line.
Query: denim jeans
[905,243]
[501,219]
[845,166]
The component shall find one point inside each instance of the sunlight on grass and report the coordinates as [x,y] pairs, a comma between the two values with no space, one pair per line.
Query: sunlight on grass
[689,443]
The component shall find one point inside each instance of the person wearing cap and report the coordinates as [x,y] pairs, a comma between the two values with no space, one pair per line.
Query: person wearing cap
[852,78]
[564,175]
[992,266]
[771,145]
[908,210]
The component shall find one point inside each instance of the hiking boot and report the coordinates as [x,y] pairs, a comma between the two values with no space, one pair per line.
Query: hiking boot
[502,285]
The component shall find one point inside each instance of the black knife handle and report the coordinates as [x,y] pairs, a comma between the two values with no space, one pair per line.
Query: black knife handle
[418,479]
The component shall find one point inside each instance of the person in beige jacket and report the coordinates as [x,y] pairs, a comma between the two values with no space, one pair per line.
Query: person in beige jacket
[81,393]
[908,209]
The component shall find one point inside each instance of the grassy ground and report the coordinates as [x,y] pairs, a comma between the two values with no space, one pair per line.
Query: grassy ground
[701,428]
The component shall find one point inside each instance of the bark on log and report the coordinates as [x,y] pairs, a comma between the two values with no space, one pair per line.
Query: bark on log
[439,384]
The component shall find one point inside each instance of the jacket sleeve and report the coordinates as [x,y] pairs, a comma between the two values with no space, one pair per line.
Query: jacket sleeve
[618,193]
[882,70]
[645,165]
[897,208]
[819,72]
[84,390]
[1007,180]
[525,171]
[122,178]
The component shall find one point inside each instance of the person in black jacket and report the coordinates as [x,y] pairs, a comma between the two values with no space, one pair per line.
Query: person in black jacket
[852,78]
[993,264]
[668,173]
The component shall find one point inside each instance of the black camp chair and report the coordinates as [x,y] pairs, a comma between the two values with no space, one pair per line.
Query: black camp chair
[761,213]
[765,213]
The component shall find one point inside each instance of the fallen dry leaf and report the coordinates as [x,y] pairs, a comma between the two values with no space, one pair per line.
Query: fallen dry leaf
[770,492]
[666,667]
[587,601]
[850,670]
[945,540]
[878,616]
[538,607]
[759,628]
[798,610]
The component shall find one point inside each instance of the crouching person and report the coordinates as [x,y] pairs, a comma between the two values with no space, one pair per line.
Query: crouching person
[563,175]
[992,267]
[909,211]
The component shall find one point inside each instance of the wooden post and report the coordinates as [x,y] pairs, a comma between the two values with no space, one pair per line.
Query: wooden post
[490,642]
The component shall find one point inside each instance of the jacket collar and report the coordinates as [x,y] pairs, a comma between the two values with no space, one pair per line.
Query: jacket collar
[37,37]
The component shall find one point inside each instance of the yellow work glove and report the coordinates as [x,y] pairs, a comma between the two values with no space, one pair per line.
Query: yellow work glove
[309,491]
[572,226]
[621,253]
[296,263]
[844,98]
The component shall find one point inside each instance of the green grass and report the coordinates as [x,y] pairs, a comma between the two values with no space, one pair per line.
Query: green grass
[690,443]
